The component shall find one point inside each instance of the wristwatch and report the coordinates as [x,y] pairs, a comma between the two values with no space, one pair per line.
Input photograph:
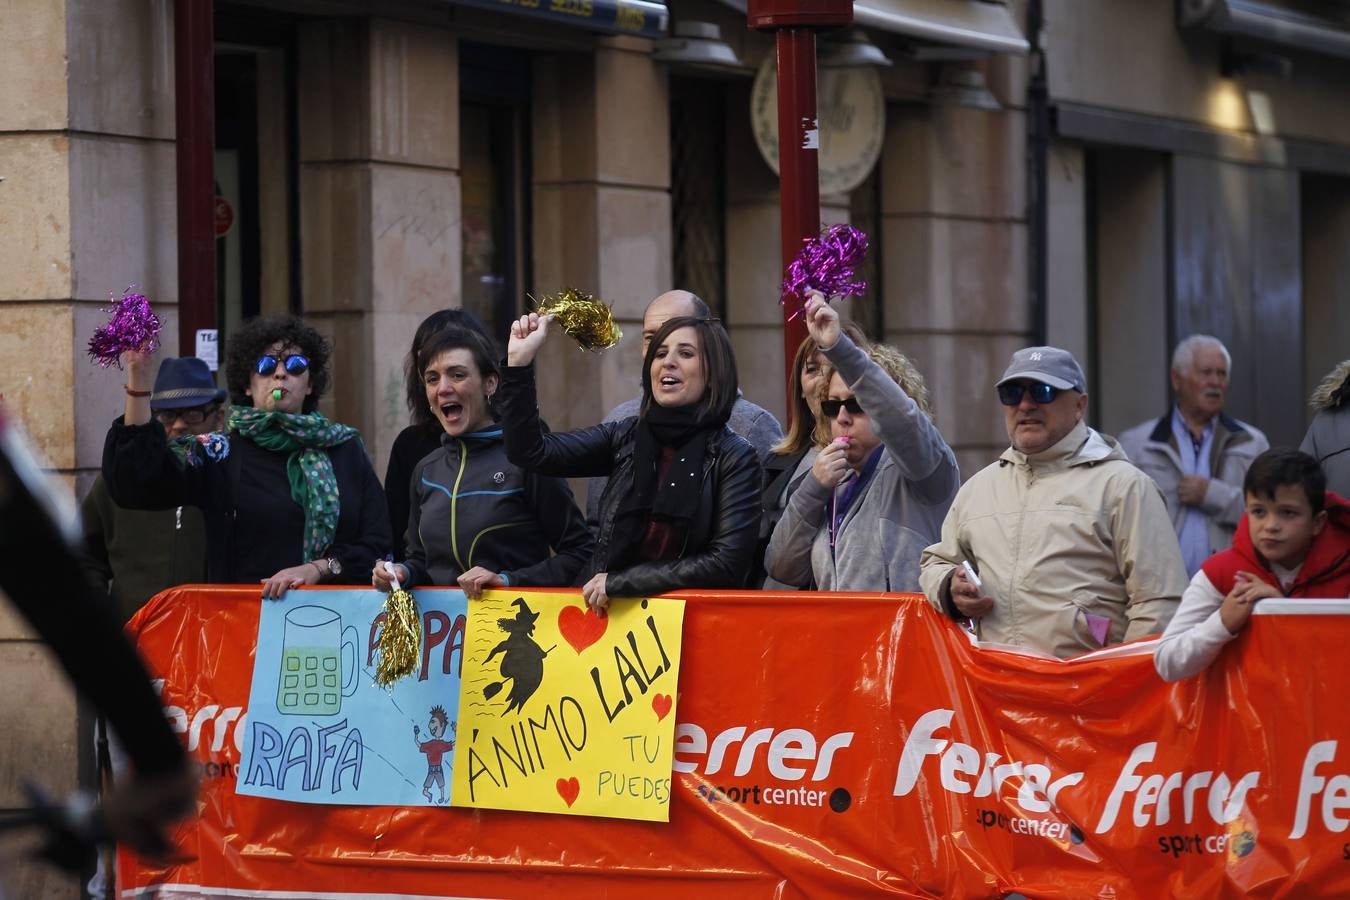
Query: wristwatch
[334,567]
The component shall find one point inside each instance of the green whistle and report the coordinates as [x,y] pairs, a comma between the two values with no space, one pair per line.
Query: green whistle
[276,394]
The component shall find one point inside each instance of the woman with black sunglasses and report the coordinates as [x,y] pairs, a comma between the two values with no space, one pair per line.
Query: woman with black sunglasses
[880,487]
[790,460]
[289,497]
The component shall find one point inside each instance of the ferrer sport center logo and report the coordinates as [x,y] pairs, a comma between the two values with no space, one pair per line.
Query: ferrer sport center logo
[798,761]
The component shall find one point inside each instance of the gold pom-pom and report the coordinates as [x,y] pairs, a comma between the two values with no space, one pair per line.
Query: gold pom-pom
[400,641]
[588,320]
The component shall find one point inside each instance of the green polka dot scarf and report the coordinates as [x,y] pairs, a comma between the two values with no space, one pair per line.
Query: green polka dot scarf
[306,438]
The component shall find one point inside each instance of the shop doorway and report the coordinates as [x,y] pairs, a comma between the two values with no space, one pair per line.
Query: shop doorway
[257,247]
[494,162]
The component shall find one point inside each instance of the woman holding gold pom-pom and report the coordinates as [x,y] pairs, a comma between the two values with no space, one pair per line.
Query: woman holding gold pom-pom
[681,508]
[477,520]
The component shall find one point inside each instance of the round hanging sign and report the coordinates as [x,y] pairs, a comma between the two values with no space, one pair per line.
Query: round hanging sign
[851,117]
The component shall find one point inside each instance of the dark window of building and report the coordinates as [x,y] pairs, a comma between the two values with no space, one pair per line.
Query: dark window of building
[1126,244]
[697,179]
[493,146]
[256,165]
[236,164]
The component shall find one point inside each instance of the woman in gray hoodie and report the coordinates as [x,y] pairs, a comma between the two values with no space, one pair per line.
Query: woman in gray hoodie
[880,488]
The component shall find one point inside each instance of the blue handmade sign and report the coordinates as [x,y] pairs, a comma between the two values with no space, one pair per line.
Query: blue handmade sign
[321,731]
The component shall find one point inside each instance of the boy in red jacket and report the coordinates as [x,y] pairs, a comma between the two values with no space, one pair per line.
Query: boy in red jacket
[1293,541]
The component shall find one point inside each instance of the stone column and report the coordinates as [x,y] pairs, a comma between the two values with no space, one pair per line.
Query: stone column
[955,239]
[379,205]
[86,137]
[601,212]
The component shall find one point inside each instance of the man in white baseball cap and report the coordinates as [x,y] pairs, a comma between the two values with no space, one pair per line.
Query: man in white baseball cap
[1060,546]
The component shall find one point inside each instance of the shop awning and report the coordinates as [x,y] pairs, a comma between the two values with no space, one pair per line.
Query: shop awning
[976,24]
[1323,28]
[642,18]
[986,25]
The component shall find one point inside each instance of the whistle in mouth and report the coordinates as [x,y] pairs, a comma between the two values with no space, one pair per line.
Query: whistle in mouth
[276,393]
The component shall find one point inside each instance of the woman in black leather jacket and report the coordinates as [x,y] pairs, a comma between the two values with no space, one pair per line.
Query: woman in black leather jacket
[681,508]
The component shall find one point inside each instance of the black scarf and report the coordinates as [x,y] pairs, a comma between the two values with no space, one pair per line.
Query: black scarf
[685,430]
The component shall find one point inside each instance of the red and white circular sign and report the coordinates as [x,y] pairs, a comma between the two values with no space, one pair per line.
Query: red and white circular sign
[224,216]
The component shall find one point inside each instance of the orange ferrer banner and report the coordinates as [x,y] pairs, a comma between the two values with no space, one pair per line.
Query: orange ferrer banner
[835,745]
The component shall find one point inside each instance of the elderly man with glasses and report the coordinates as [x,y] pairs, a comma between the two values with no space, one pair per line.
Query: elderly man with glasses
[134,553]
[1061,546]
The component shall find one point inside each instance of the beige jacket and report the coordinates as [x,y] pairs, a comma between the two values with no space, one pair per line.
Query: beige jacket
[1073,532]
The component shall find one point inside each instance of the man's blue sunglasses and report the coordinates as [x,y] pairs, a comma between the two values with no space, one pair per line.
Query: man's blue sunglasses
[1011,394]
[295,364]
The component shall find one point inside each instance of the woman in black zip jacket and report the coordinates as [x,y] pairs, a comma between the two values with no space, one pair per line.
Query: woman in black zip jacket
[476,520]
[423,436]
[288,497]
[681,508]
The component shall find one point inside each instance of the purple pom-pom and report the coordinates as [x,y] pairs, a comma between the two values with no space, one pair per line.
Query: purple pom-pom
[827,264]
[133,326]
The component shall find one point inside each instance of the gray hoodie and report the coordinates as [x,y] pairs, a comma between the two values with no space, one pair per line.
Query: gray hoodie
[898,512]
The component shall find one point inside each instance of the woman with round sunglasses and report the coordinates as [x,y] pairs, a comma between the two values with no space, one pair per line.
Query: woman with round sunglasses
[476,520]
[681,506]
[289,497]
[880,487]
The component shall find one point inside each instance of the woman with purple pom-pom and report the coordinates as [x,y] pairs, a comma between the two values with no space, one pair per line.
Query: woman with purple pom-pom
[790,460]
[880,487]
[289,497]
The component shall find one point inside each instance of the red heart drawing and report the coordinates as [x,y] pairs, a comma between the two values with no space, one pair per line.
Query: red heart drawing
[661,704]
[579,627]
[568,789]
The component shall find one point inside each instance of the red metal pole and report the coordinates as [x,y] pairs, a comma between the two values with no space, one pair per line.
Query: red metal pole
[194,107]
[798,171]
[795,23]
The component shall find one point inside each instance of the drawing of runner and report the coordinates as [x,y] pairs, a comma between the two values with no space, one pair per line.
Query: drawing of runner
[435,748]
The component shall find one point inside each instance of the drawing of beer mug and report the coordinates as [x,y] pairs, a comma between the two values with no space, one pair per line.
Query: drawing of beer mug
[314,658]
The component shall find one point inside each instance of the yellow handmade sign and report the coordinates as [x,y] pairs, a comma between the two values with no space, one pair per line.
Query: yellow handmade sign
[562,711]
